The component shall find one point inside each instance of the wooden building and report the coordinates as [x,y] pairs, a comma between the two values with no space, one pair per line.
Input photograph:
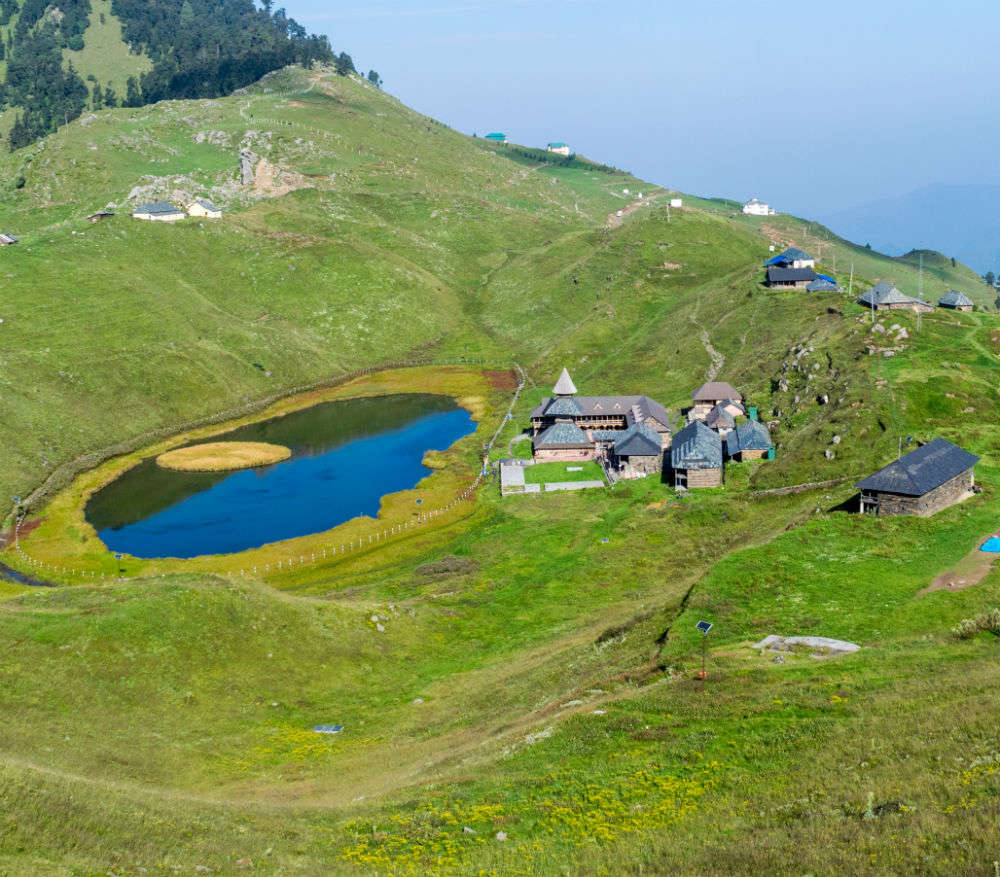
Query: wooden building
[922,482]
[696,457]
[956,301]
[629,432]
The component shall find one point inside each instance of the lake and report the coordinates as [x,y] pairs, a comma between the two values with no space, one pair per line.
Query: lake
[346,456]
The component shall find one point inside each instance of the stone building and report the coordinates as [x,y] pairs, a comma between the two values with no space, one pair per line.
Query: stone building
[886,297]
[713,393]
[696,457]
[749,441]
[637,452]
[956,301]
[922,482]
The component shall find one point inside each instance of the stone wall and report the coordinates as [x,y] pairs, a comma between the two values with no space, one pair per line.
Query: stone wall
[567,455]
[693,478]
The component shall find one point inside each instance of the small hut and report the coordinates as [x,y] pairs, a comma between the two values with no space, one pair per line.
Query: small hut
[696,457]
[638,451]
[956,301]
[886,297]
[749,441]
[710,394]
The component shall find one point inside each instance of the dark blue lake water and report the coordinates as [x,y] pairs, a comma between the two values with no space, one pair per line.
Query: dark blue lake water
[346,456]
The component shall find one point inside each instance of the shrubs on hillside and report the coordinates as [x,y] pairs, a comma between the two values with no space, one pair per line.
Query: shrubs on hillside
[969,627]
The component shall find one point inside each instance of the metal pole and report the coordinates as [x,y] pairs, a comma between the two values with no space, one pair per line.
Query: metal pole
[704,648]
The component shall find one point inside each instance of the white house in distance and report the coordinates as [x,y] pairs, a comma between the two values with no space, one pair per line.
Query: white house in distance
[202,207]
[676,202]
[158,211]
[756,207]
[560,148]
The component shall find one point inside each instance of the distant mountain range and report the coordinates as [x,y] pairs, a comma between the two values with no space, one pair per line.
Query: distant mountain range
[960,221]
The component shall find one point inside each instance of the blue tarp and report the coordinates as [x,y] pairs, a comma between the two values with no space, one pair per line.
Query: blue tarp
[773,261]
[825,277]
[992,545]
[328,729]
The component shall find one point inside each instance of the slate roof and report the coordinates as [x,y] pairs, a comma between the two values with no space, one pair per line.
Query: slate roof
[596,406]
[563,435]
[749,436]
[157,207]
[955,299]
[920,471]
[715,391]
[564,406]
[696,447]
[821,284]
[790,275]
[208,205]
[719,418]
[564,386]
[11,239]
[883,293]
[638,441]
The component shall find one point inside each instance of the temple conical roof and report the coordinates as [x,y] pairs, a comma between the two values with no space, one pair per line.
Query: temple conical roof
[564,386]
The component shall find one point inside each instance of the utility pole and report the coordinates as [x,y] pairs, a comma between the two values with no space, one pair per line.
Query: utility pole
[850,286]
[920,288]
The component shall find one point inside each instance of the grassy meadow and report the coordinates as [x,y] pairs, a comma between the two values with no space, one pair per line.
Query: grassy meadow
[516,680]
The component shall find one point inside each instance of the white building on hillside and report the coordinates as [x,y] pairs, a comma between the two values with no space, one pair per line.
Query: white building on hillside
[755,207]
[560,148]
[201,207]
[158,211]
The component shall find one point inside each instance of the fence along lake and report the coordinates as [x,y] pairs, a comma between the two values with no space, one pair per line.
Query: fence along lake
[346,456]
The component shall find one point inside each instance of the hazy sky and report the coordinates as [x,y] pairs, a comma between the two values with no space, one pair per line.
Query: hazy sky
[810,106]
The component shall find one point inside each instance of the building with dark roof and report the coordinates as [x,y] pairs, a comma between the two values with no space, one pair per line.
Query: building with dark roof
[822,284]
[721,419]
[886,297]
[7,239]
[749,441]
[789,278]
[158,211]
[621,429]
[922,482]
[793,257]
[638,451]
[711,394]
[696,457]
[957,301]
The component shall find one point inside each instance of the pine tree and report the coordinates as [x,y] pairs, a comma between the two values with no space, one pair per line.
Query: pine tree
[97,98]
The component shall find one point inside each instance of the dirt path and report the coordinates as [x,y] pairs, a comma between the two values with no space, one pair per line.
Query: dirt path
[615,221]
[969,571]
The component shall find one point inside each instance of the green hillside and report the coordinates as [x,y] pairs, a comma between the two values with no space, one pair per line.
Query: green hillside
[516,683]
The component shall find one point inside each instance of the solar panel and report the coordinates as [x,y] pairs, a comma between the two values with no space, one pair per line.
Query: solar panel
[328,729]
[704,626]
